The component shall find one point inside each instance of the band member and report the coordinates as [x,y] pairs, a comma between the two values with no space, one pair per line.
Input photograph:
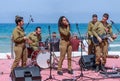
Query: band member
[19,39]
[65,46]
[90,34]
[75,42]
[54,42]
[101,50]
[35,38]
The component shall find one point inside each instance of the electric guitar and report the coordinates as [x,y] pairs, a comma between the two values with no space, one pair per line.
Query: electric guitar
[95,40]
[104,36]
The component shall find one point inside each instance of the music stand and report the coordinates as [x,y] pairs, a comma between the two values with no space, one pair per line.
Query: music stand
[81,68]
[50,76]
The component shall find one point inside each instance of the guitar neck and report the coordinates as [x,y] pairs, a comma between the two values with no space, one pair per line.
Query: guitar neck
[113,56]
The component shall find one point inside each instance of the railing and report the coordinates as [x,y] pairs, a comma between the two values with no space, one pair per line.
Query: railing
[6,45]
[12,53]
[9,45]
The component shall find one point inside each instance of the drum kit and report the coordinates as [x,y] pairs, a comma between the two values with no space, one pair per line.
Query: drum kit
[41,57]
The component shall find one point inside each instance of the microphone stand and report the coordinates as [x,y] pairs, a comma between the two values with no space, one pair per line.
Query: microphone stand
[112,23]
[30,20]
[81,67]
[50,76]
[52,44]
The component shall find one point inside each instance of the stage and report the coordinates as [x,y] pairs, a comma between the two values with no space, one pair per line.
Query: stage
[5,65]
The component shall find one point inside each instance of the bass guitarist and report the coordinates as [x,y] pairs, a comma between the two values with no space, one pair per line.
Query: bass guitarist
[101,50]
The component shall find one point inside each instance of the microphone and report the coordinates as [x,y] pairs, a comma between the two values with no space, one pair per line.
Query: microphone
[31,18]
[77,27]
[49,27]
[111,22]
[76,24]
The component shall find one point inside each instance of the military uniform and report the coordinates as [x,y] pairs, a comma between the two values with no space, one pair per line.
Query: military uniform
[19,48]
[90,35]
[101,50]
[35,40]
[65,47]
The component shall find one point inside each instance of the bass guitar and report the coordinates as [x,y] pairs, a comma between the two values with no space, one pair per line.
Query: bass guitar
[95,40]
[104,36]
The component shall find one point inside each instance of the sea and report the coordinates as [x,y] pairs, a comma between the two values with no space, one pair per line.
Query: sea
[6,30]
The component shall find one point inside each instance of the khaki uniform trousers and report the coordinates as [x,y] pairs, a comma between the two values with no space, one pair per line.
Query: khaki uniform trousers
[91,47]
[101,52]
[20,54]
[65,47]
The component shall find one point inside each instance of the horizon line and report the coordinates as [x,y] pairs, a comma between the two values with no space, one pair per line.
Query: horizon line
[49,23]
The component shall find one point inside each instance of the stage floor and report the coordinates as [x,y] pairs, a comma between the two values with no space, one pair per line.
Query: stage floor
[5,65]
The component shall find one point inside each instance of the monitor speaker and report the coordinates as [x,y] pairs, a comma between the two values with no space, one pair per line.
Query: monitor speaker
[87,61]
[26,74]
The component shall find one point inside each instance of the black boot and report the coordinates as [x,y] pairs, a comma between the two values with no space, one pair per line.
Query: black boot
[103,68]
[97,68]
[10,74]
[59,72]
[70,71]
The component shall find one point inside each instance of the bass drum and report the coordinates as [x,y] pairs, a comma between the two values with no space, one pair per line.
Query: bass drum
[43,60]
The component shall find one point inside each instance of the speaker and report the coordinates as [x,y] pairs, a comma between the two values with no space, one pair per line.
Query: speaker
[26,74]
[87,61]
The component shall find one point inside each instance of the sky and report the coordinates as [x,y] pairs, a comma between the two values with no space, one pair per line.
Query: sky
[49,11]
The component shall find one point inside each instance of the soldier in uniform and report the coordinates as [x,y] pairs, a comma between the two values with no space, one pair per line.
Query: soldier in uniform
[65,47]
[35,38]
[101,50]
[90,34]
[19,39]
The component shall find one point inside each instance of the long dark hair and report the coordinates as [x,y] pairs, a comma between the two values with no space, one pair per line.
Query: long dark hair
[60,24]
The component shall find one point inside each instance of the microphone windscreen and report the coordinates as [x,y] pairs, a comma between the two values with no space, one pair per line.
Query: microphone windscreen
[32,20]
[76,24]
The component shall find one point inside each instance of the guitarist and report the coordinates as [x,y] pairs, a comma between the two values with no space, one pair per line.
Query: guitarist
[90,34]
[101,49]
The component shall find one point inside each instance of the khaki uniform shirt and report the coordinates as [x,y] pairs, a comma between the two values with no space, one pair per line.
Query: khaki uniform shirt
[18,37]
[35,39]
[90,27]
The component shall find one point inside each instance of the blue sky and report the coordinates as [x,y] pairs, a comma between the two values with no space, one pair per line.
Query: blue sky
[49,11]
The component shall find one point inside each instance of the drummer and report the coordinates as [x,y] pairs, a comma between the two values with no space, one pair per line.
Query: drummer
[35,38]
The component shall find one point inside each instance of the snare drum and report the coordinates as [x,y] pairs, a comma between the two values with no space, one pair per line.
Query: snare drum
[42,59]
